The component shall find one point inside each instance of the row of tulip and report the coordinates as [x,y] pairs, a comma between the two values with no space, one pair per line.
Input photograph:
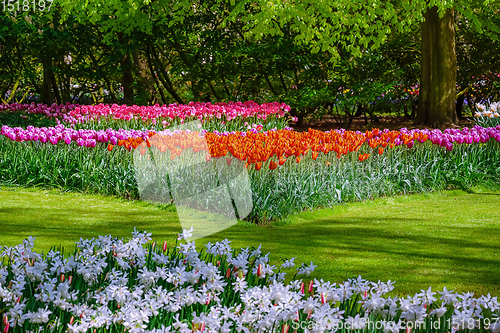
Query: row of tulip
[253,146]
[218,116]
[110,285]
[289,171]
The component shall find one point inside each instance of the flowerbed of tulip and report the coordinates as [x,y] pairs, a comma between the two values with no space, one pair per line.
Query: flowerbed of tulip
[111,285]
[289,171]
[219,116]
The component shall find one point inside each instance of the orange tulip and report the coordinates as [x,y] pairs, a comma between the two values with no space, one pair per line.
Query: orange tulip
[380,150]
[272,165]
[258,165]
[110,146]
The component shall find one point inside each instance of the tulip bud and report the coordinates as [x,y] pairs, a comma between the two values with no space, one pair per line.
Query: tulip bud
[228,273]
[310,290]
[259,270]
[302,287]
[309,313]
[164,246]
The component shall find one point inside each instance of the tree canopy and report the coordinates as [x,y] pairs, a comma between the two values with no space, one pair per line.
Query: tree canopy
[314,55]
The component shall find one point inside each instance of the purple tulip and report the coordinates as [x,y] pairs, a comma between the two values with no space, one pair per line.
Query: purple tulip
[53,140]
[80,142]
[90,143]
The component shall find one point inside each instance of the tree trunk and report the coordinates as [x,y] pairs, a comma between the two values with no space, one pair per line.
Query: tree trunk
[46,93]
[127,72]
[145,89]
[55,89]
[460,106]
[436,100]
[127,79]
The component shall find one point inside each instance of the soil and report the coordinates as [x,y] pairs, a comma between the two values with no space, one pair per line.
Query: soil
[359,124]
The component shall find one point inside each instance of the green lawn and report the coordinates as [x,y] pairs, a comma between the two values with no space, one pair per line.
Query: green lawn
[441,239]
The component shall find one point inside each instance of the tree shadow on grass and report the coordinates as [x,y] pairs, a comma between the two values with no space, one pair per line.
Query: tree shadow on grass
[358,244]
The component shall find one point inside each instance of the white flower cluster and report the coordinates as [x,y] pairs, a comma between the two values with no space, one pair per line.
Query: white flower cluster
[493,111]
[135,286]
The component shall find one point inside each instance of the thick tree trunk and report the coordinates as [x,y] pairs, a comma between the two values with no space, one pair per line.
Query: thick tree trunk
[436,101]
[127,79]
[144,88]
[46,90]
[127,72]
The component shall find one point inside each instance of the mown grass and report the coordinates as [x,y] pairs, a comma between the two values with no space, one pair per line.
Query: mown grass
[447,238]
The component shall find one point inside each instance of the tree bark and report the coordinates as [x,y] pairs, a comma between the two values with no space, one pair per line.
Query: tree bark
[127,79]
[145,90]
[46,93]
[127,72]
[436,101]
